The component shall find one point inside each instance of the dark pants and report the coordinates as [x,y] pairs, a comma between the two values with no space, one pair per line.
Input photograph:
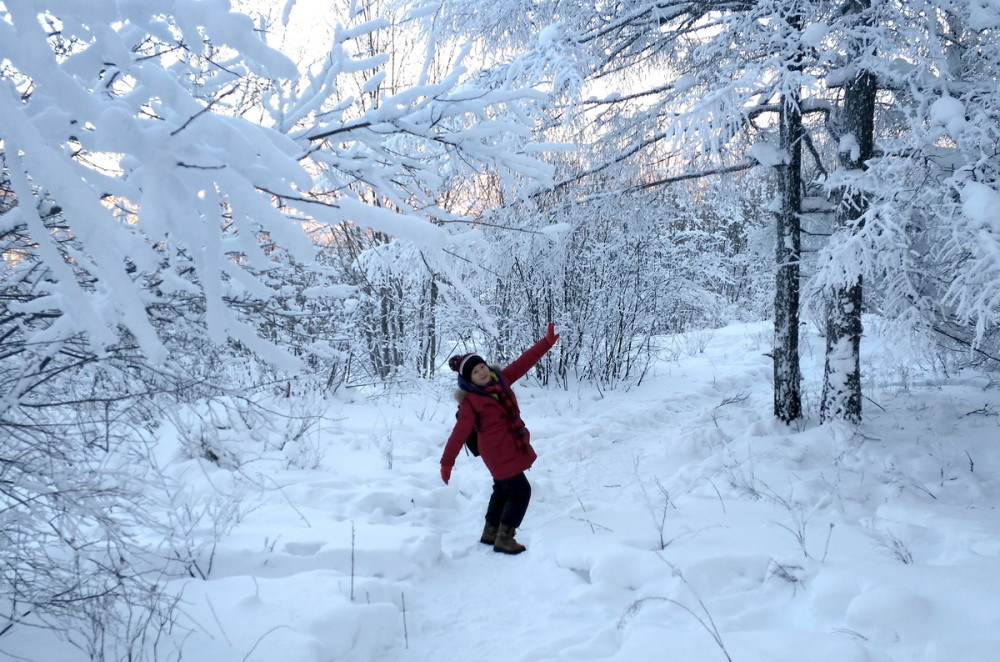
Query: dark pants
[509,501]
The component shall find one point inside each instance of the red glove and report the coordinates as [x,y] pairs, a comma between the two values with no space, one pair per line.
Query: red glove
[445,474]
[550,334]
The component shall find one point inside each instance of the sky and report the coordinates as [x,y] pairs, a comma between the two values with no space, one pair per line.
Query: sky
[672,521]
[301,28]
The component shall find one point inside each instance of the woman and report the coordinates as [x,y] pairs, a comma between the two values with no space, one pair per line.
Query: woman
[488,405]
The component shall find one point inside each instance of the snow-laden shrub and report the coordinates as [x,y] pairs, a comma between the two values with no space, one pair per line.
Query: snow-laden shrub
[230,431]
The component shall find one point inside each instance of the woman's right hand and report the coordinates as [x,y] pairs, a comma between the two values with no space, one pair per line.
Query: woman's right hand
[550,333]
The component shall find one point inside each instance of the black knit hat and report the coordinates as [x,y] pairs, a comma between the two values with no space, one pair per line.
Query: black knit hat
[464,364]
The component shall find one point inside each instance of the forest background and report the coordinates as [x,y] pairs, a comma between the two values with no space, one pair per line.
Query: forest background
[209,217]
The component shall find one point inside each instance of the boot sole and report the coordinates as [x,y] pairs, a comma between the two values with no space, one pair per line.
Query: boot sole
[511,552]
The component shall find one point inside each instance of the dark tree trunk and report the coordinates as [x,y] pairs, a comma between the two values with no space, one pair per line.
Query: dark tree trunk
[427,327]
[787,374]
[842,368]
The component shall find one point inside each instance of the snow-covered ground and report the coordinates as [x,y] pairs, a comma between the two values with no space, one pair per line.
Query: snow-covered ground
[676,520]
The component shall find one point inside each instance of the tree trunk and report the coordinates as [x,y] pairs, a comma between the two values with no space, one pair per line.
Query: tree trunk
[842,368]
[787,374]
[427,327]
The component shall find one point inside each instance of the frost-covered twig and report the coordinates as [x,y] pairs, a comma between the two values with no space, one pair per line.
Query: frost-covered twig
[785,572]
[586,515]
[733,399]
[893,544]
[660,520]
[406,634]
[826,548]
[352,559]
[261,638]
[704,618]
[718,494]
[584,509]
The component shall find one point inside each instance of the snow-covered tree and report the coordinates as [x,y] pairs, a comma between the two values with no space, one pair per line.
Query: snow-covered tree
[920,78]
[682,89]
[617,272]
[686,89]
[161,168]
[855,131]
[928,239]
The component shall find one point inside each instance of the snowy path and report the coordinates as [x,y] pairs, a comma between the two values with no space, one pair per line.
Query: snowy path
[588,513]
[481,605]
[525,607]
[786,541]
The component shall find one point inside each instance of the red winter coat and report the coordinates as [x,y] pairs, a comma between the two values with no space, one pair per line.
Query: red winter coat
[504,442]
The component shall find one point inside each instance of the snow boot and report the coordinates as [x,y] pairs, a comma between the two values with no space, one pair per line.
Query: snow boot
[489,534]
[505,542]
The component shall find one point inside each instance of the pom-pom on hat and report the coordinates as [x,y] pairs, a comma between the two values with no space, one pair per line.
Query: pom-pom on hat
[464,364]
